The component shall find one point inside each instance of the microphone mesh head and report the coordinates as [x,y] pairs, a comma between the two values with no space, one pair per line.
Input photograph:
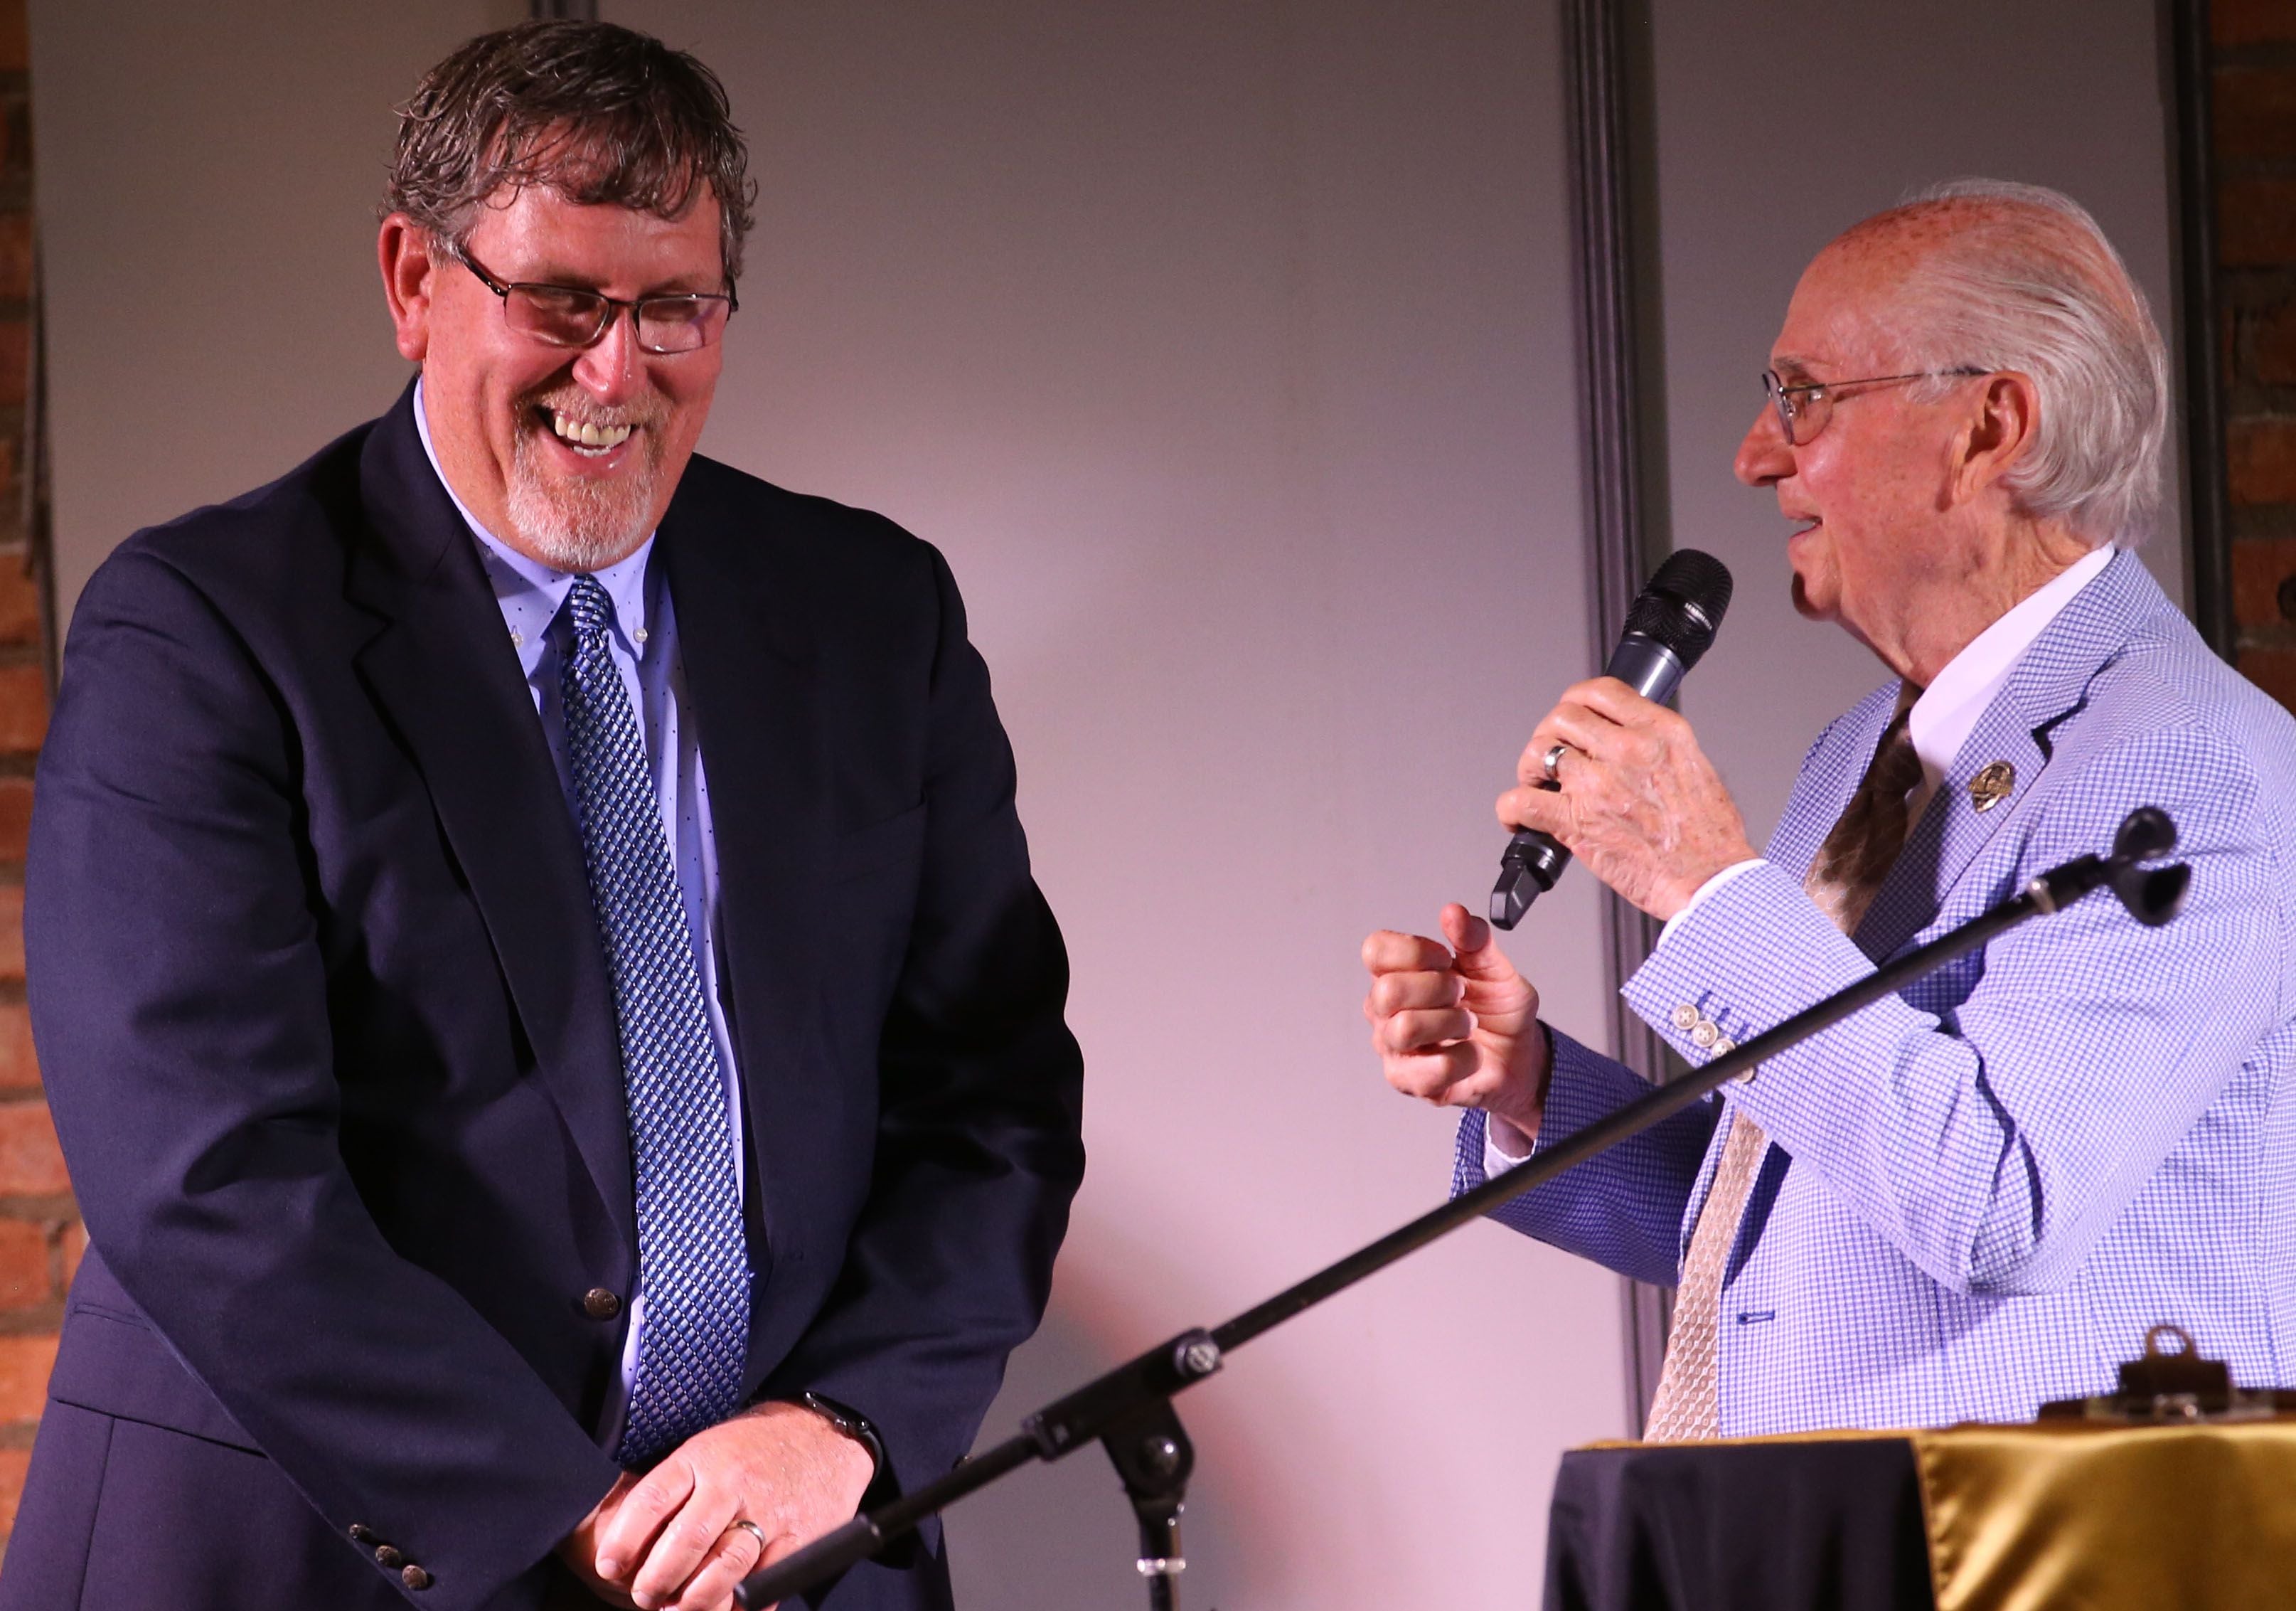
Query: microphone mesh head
[1681,609]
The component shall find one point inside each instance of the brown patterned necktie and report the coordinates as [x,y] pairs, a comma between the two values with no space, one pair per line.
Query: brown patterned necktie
[1849,868]
[1843,879]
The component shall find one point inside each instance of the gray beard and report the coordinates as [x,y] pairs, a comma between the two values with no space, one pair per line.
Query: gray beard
[577,526]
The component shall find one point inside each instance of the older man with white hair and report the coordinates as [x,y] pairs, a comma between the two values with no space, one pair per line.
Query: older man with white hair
[1979,1195]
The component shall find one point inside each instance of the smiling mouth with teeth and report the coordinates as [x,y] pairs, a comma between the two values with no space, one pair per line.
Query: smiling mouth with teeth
[587,437]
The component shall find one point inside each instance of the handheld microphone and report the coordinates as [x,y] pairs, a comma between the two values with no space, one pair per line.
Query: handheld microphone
[1671,623]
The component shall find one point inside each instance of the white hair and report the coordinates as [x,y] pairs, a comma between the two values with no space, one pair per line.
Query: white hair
[2024,280]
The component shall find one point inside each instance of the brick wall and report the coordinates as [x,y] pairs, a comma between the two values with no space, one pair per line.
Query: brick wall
[40,1236]
[2253,85]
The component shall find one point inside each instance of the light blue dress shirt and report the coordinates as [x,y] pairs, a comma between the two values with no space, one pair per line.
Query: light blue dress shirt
[644,646]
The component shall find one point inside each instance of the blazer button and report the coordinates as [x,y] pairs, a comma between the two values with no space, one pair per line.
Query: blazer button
[415,1578]
[600,1304]
[389,1558]
[361,1533]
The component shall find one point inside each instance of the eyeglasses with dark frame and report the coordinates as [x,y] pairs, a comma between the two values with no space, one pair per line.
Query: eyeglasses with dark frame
[1804,407]
[570,316]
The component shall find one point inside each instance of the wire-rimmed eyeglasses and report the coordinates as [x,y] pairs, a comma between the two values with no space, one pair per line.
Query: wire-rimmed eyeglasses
[1804,407]
[570,316]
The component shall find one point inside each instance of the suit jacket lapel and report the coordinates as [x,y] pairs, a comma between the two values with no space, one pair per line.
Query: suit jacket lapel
[752,692]
[1952,830]
[2049,683]
[443,673]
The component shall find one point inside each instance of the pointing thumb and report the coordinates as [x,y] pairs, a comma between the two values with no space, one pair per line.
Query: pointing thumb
[1477,955]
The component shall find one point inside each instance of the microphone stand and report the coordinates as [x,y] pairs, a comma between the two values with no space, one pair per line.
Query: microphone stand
[1129,1411]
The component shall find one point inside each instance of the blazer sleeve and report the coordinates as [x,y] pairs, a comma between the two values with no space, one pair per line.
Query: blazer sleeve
[180,1005]
[1996,1144]
[1622,1208]
[978,1148]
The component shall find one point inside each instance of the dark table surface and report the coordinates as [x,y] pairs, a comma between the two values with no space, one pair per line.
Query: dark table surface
[1784,1526]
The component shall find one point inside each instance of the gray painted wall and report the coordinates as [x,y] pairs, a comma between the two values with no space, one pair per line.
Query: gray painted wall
[207,180]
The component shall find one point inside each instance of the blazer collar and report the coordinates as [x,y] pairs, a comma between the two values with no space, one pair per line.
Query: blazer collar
[2049,684]
[443,671]
[2052,680]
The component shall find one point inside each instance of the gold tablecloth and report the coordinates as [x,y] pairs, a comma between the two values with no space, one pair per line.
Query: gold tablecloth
[2068,1515]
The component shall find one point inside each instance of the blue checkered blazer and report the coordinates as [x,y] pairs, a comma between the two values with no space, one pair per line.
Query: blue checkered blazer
[1979,1195]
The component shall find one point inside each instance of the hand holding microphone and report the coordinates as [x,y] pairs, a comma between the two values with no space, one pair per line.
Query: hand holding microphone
[1611,775]
[1616,778]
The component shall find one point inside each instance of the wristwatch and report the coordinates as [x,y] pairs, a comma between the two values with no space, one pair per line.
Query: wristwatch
[883,1488]
[852,1424]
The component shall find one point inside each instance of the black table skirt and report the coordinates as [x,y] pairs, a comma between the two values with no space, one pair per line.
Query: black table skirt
[1803,1527]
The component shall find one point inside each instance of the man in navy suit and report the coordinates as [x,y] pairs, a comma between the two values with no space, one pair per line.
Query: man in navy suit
[532,953]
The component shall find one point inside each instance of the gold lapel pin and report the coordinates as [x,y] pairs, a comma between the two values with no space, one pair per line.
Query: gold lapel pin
[1993,784]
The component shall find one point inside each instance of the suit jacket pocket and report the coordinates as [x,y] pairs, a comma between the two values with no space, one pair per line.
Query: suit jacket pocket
[112,1362]
[889,843]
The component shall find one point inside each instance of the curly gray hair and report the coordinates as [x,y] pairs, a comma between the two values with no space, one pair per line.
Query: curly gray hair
[595,112]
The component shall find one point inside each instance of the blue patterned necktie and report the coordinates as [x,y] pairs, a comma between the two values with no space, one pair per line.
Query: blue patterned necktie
[692,1263]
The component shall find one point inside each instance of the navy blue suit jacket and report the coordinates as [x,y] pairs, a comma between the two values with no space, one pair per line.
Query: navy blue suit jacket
[322,1011]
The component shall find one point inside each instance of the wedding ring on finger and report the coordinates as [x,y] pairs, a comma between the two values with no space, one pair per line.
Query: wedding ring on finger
[1552,765]
[750,1527]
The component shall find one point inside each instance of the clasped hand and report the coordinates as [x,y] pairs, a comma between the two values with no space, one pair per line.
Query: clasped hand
[670,1539]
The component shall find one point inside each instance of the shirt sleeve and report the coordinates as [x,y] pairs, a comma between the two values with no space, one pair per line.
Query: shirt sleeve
[1497,1159]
